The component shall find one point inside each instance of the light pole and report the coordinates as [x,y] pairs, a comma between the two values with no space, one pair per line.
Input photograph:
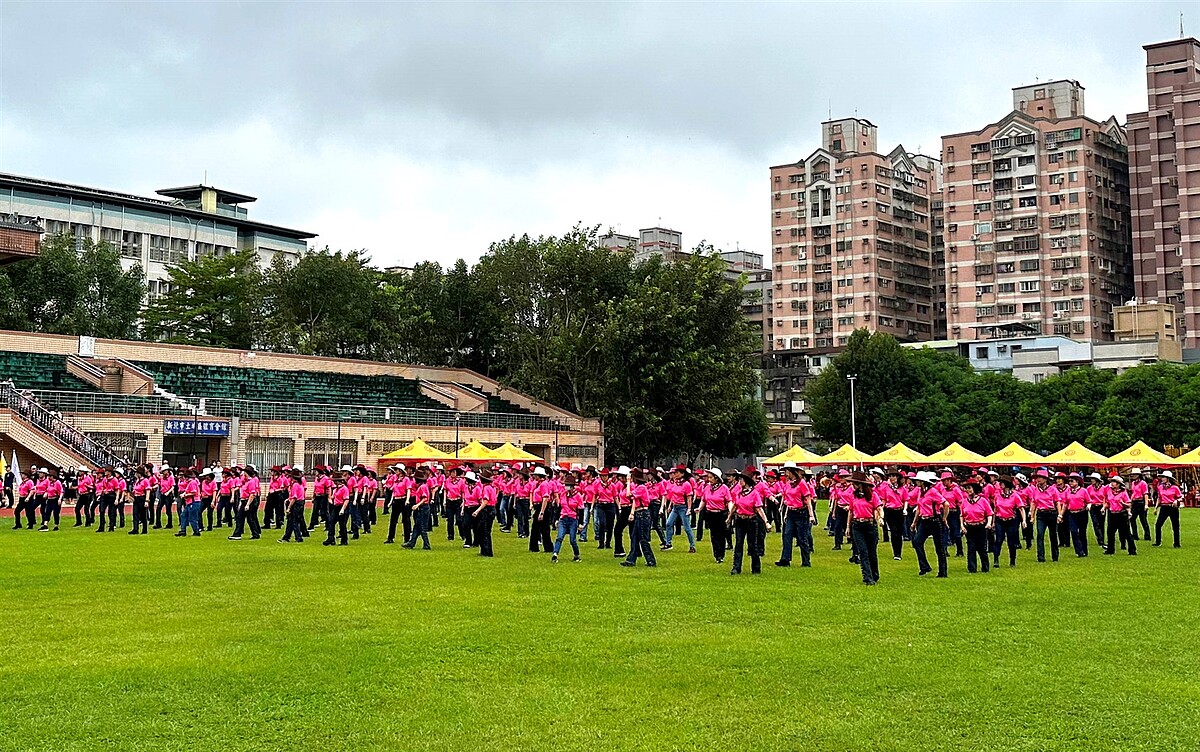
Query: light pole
[457,418]
[853,422]
[338,446]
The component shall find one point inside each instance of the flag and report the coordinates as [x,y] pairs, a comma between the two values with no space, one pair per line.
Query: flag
[16,468]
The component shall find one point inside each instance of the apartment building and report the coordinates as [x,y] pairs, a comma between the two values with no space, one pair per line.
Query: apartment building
[851,241]
[1036,214]
[1164,146]
[187,223]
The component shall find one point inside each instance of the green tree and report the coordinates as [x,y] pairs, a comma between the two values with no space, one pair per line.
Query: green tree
[72,287]
[214,301]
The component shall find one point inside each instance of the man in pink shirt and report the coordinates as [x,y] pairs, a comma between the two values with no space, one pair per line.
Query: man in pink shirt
[1170,498]
[1140,498]
[165,498]
[484,515]
[864,515]
[188,489]
[52,495]
[954,496]
[929,523]
[1095,489]
[1045,507]
[339,503]
[249,495]
[798,516]
[978,518]
[454,487]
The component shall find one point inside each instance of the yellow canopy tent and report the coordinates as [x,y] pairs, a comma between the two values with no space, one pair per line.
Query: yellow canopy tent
[845,455]
[1015,454]
[797,454]
[510,453]
[418,451]
[474,452]
[1076,454]
[955,454]
[1140,454]
[1190,459]
[899,455]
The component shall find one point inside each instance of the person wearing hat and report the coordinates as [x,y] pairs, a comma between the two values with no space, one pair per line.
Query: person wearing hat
[208,498]
[100,479]
[909,493]
[568,520]
[642,498]
[541,500]
[249,491]
[370,499]
[888,493]
[294,492]
[1140,498]
[1010,518]
[338,510]
[41,479]
[978,518]
[277,491]
[420,495]
[165,499]
[1059,491]
[25,503]
[225,491]
[929,523]
[187,488]
[679,494]
[862,527]
[52,496]
[1021,482]
[454,487]
[746,512]
[472,498]
[401,505]
[85,483]
[716,505]
[624,509]
[484,515]
[840,494]
[1117,499]
[798,516]
[522,488]
[1075,501]
[357,483]
[1047,513]
[1095,489]
[605,489]
[1168,498]
[322,487]
[120,493]
[954,496]
[142,494]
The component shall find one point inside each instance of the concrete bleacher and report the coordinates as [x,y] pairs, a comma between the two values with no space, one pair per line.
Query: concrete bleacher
[228,382]
[39,371]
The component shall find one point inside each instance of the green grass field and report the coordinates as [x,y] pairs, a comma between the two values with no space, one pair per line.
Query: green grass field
[157,643]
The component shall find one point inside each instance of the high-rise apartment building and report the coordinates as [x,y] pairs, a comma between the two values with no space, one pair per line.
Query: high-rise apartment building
[1036,214]
[850,241]
[1164,145]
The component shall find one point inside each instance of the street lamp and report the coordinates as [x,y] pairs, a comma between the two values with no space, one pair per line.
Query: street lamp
[457,418]
[853,422]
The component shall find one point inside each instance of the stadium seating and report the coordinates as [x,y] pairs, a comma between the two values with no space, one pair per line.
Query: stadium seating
[289,386]
[103,402]
[40,371]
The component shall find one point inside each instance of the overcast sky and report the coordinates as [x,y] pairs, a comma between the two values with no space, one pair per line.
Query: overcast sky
[428,131]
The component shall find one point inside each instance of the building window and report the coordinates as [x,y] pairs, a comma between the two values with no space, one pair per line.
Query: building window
[263,452]
[1030,285]
[325,452]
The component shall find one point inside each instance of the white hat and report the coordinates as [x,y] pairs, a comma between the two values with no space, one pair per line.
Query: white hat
[993,472]
[717,472]
[539,470]
[165,466]
[1167,474]
[1096,476]
[400,466]
[1021,477]
[439,466]
[471,476]
[346,469]
[789,465]
[877,471]
[206,471]
[622,470]
[83,469]
[1135,471]
[927,476]
[119,471]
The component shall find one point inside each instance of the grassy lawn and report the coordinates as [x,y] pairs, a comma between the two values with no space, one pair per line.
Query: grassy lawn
[157,643]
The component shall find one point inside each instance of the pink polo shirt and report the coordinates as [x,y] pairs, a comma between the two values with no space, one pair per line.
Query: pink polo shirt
[716,498]
[571,504]
[86,484]
[1077,499]
[1118,501]
[25,488]
[1006,506]
[641,496]
[746,503]
[250,488]
[208,488]
[677,493]
[296,492]
[795,496]
[954,495]
[190,490]
[340,495]
[863,508]
[53,490]
[975,511]
[166,483]
[930,503]
[841,495]
[1041,500]
[322,485]
[455,488]
[1139,489]
[887,495]
[1169,495]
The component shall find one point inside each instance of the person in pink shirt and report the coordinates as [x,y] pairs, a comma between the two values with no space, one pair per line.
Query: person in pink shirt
[401,505]
[85,486]
[143,490]
[1169,499]
[1095,489]
[41,479]
[322,488]
[25,504]
[716,505]
[52,496]
[978,518]
[422,494]
[1075,499]
[1118,502]
[1043,501]
[746,515]
[642,499]
[480,489]
[929,522]
[679,494]
[1140,498]
[339,505]
[294,507]
[454,487]
[568,519]
[188,490]
[891,500]
[798,516]
[542,501]
[865,513]
[249,493]
[1009,519]
[840,494]
[165,498]
[954,496]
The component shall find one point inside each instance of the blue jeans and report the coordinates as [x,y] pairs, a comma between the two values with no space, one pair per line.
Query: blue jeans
[679,512]
[567,526]
[190,516]
[797,527]
[585,514]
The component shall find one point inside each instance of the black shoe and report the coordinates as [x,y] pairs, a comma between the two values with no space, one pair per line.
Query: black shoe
[133,532]
[180,534]
[735,571]
[783,563]
[195,535]
[627,564]
[577,559]
[389,540]
[407,545]
[234,537]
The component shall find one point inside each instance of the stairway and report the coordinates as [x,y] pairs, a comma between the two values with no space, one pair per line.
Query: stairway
[47,435]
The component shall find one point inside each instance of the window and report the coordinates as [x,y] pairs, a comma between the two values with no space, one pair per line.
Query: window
[1077,304]
[1077,327]
[326,452]
[1024,139]
[982,311]
[1025,182]
[983,228]
[985,206]
[1006,309]
[1004,287]
[1026,223]
[984,270]
[1031,307]
[1006,267]
[1031,265]
[1024,161]
[980,148]
[1030,285]
[981,353]
[270,452]
[1059,222]
[1061,305]
[1001,143]
[1026,202]
[983,290]
[1073,177]
[1073,198]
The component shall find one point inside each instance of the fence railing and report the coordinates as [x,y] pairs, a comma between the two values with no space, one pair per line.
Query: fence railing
[55,427]
[104,402]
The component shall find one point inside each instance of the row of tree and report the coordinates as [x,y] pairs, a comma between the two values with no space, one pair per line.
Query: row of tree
[659,351]
[928,399]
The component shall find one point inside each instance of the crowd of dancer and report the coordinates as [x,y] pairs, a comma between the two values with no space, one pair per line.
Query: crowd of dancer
[991,512]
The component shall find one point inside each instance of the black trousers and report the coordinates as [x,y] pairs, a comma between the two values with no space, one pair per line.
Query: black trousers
[1047,522]
[522,518]
[1097,513]
[1137,515]
[1118,526]
[165,502]
[466,524]
[335,518]
[746,528]
[1029,526]
[715,521]
[539,532]
[452,512]
[141,516]
[273,511]
[930,529]
[606,514]
[639,538]
[1007,531]
[294,518]
[977,547]
[397,510]
[621,523]
[1077,522]
[248,515]
[108,508]
[483,530]
[893,522]
[320,511]
[840,515]
[224,511]
[1164,513]
[864,537]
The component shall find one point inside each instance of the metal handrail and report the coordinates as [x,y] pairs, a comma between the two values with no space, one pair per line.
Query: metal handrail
[56,428]
[105,402]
